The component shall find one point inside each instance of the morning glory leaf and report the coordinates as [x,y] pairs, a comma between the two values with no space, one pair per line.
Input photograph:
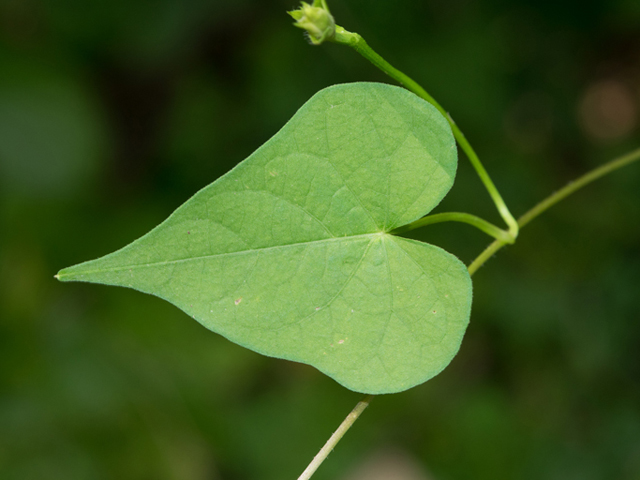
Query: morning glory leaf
[289,253]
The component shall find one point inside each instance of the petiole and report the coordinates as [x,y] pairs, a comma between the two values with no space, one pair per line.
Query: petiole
[488,228]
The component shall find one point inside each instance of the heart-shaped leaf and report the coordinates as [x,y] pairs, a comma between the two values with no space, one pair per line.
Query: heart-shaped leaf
[289,253]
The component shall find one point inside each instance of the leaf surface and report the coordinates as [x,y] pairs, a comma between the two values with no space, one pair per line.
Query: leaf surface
[288,254]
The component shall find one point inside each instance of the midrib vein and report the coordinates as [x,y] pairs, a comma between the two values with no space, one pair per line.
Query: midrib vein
[351,238]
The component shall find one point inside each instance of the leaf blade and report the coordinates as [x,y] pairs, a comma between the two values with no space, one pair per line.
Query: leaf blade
[288,253]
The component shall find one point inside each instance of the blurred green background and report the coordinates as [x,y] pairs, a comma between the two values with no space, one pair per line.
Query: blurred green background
[114,112]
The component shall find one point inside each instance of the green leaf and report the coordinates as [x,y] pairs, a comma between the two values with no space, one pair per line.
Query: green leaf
[288,254]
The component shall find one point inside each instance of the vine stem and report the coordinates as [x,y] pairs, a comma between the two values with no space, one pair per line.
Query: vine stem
[473,267]
[335,438]
[358,43]
[554,198]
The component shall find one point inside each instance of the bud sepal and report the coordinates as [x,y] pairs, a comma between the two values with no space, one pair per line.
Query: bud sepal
[316,20]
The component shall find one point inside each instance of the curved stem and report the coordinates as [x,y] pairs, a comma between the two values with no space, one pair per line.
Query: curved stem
[358,43]
[335,438]
[477,222]
[554,198]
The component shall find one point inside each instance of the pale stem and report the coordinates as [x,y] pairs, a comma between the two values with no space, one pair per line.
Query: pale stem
[335,438]
[358,43]
[554,198]
[477,222]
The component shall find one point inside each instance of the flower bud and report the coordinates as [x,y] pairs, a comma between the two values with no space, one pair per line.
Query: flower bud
[316,20]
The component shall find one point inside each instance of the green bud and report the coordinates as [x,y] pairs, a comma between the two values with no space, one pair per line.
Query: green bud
[316,20]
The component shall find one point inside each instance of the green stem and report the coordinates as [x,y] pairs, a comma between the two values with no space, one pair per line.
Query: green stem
[486,254]
[551,200]
[335,438]
[477,222]
[358,43]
